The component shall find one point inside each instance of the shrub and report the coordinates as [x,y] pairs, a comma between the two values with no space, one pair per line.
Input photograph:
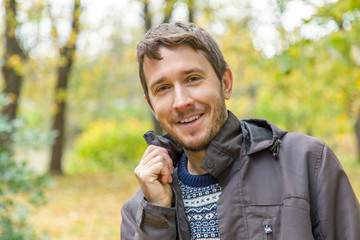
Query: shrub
[108,145]
[19,185]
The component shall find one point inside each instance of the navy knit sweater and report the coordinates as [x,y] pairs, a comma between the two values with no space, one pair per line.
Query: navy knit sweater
[200,195]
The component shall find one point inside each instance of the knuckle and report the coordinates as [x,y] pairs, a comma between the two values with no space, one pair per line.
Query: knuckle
[156,151]
[165,151]
[162,164]
[150,147]
[140,176]
[138,170]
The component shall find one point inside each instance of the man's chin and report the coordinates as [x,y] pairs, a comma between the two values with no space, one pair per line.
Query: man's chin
[192,142]
[194,146]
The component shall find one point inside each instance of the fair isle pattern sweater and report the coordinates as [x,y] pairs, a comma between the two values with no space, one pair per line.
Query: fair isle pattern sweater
[200,195]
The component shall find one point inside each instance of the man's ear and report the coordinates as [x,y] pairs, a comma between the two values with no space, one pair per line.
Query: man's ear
[150,106]
[227,83]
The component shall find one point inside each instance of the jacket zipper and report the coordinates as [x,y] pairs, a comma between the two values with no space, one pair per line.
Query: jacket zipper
[178,226]
[268,231]
[177,215]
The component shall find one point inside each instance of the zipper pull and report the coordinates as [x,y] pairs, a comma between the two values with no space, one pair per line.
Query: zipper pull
[267,229]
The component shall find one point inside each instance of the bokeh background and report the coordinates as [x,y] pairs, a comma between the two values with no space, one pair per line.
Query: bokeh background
[72,107]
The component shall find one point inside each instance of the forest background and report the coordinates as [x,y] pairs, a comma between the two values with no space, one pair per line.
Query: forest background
[72,107]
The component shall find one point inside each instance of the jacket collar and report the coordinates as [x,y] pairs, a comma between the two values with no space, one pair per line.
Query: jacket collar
[167,142]
[234,138]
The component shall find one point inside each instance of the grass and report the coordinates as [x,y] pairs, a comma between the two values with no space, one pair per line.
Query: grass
[88,206]
[85,206]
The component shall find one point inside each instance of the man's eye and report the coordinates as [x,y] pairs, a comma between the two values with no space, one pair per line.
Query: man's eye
[161,89]
[193,79]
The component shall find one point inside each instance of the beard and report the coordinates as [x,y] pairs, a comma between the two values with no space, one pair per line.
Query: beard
[219,118]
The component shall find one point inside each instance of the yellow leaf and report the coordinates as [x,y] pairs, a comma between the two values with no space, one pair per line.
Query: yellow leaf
[358,84]
[13,61]
[54,109]
[12,97]
[61,95]
[63,61]
[11,32]
[343,117]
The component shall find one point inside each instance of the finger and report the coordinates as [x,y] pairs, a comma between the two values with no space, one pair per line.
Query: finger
[153,153]
[166,178]
[163,172]
[157,172]
[148,151]
[152,149]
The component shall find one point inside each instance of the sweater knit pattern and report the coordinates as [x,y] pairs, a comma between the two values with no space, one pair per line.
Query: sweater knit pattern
[200,195]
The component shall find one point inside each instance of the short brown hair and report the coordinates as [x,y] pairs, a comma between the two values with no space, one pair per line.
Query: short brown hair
[172,34]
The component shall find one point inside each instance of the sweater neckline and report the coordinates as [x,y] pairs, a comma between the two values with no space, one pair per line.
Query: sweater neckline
[193,180]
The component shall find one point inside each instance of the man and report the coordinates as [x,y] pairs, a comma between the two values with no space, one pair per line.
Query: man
[215,177]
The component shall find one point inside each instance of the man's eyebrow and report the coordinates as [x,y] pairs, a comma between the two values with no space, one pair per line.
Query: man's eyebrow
[192,70]
[157,82]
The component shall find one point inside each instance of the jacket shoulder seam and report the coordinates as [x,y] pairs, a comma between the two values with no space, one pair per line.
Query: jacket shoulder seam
[315,185]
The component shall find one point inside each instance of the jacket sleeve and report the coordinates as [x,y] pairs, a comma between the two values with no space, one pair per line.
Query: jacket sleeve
[336,209]
[141,220]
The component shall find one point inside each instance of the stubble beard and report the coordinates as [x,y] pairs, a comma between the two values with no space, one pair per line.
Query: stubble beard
[220,118]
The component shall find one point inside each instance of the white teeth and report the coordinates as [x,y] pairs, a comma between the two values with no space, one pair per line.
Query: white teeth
[190,119]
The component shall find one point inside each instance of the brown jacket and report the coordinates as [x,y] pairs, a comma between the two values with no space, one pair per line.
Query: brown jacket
[275,185]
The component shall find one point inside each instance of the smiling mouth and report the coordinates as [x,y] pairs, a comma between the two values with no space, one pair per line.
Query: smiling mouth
[190,119]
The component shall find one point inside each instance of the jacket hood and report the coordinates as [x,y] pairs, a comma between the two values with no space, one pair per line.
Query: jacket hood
[234,138]
[259,134]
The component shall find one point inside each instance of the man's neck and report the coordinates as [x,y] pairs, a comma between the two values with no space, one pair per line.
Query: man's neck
[194,161]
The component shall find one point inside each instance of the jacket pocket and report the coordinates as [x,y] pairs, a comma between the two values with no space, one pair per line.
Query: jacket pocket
[267,227]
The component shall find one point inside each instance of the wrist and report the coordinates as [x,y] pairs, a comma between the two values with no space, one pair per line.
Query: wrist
[164,204]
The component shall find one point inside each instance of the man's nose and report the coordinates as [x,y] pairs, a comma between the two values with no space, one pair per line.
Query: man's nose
[182,98]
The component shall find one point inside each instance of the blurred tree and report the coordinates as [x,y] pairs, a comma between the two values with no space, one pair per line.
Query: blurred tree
[13,70]
[67,56]
[168,9]
[345,45]
[309,78]
[191,9]
[19,186]
[332,61]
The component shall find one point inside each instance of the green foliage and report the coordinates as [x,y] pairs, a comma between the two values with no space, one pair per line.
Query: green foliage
[312,86]
[108,145]
[20,186]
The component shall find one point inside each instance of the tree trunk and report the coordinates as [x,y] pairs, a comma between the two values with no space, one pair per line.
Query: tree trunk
[12,71]
[59,118]
[67,55]
[357,133]
[147,16]
[191,9]
[169,7]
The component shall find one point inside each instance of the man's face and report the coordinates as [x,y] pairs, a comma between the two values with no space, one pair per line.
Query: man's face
[186,95]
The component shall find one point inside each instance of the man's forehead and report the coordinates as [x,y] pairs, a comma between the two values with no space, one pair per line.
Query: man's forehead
[180,51]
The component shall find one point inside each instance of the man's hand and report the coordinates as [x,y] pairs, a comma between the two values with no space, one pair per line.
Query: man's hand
[154,176]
